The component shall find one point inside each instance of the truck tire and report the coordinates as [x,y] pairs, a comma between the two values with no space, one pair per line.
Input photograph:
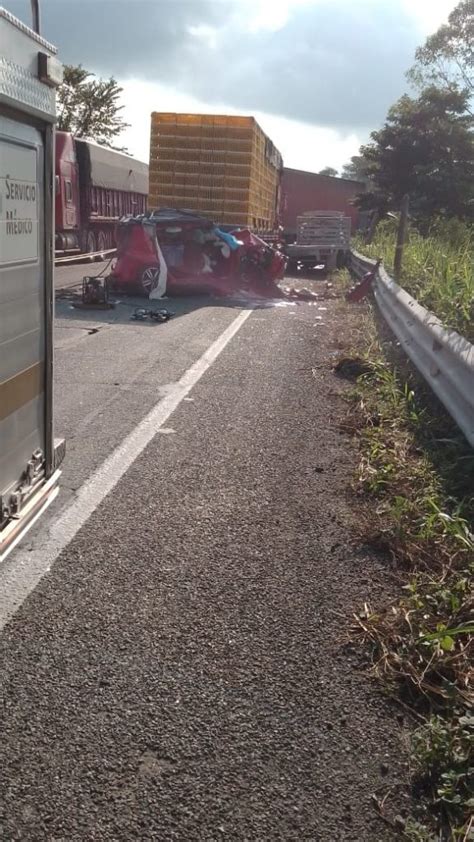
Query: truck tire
[341,259]
[101,241]
[90,244]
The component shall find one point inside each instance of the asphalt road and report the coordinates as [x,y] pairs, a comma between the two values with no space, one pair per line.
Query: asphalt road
[70,276]
[180,672]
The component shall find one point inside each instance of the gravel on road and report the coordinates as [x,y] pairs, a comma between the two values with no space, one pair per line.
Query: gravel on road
[182,672]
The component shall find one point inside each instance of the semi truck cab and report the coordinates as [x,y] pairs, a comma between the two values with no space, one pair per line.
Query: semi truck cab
[68,220]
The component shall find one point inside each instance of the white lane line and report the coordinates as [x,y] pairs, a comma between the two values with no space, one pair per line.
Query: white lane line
[25,568]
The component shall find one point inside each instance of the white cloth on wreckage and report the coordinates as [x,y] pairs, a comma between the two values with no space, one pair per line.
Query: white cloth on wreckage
[160,289]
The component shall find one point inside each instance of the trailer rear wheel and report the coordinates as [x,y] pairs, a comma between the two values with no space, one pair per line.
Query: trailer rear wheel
[90,243]
[341,260]
[149,278]
[101,242]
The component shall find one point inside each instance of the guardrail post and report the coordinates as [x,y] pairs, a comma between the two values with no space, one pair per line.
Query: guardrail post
[401,237]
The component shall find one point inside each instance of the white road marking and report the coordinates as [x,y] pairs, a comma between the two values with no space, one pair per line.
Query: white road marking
[26,567]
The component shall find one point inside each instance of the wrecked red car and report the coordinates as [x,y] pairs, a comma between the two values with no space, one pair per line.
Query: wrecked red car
[177,252]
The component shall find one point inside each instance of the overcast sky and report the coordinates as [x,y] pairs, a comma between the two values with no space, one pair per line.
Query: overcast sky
[319,75]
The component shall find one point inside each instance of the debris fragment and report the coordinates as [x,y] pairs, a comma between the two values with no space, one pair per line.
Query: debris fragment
[352,367]
[141,314]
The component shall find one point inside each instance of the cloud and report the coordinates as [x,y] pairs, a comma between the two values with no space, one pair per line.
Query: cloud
[314,149]
[429,14]
[125,37]
[334,63]
[318,75]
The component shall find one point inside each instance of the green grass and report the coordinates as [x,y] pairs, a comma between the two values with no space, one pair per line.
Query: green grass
[438,269]
[416,475]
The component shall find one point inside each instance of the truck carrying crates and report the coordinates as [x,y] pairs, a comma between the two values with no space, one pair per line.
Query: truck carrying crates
[225,168]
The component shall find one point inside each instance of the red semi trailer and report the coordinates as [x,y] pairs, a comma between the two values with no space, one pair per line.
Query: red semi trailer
[95,187]
[306,191]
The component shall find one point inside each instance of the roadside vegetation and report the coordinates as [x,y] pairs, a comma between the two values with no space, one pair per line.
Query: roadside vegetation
[438,268]
[424,151]
[416,475]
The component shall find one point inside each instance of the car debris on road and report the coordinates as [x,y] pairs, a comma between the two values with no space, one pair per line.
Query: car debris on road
[141,314]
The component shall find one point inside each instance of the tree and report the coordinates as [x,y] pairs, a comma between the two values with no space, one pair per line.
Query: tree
[447,58]
[425,149]
[356,169]
[89,107]
[328,171]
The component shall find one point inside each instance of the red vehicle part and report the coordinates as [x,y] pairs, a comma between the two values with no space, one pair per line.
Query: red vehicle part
[203,267]
[363,288]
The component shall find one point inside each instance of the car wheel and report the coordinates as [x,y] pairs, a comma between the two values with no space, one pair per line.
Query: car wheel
[149,278]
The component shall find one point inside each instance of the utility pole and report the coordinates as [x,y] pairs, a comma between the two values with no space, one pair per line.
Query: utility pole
[35,15]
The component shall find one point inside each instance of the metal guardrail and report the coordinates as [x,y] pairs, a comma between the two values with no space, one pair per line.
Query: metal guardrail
[77,258]
[443,357]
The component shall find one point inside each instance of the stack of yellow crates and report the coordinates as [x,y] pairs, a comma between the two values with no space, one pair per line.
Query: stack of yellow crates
[225,168]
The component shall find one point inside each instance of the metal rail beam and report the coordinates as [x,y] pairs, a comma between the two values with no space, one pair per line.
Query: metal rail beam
[78,258]
[443,357]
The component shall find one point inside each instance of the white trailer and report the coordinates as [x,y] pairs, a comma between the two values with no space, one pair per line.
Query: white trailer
[29,455]
[323,237]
